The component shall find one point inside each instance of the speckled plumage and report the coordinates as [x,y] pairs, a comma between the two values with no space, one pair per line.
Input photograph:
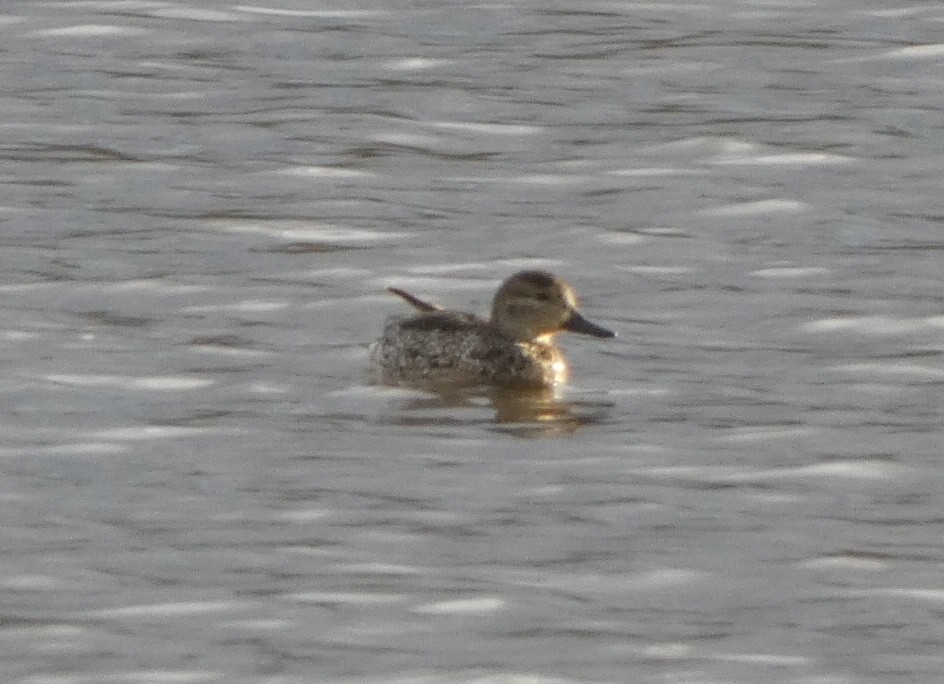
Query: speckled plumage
[513,347]
[464,350]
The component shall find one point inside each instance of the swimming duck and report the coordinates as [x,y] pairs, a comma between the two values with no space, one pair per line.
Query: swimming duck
[513,347]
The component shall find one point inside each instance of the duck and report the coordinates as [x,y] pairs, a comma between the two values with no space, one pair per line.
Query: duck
[514,346]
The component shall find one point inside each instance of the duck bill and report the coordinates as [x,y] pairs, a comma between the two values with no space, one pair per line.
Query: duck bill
[578,324]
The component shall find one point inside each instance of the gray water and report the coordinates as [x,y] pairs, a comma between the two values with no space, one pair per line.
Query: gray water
[201,206]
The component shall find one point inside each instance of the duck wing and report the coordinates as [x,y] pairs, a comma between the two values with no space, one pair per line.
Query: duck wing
[414,300]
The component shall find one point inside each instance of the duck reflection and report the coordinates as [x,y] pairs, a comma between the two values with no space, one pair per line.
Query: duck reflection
[525,411]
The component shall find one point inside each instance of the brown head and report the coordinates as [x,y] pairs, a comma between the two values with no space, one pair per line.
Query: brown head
[534,305]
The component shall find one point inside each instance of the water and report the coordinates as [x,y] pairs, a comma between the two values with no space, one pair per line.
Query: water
[201,205]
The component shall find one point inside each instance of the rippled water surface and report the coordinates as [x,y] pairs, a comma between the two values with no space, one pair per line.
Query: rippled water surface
[200,207]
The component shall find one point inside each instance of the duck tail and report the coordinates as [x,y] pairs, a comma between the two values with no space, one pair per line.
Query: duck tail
[414,300]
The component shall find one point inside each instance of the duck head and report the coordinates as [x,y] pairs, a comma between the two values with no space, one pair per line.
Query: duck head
[534,305]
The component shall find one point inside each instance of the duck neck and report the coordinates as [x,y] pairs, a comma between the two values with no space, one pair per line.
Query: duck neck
[522,333]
